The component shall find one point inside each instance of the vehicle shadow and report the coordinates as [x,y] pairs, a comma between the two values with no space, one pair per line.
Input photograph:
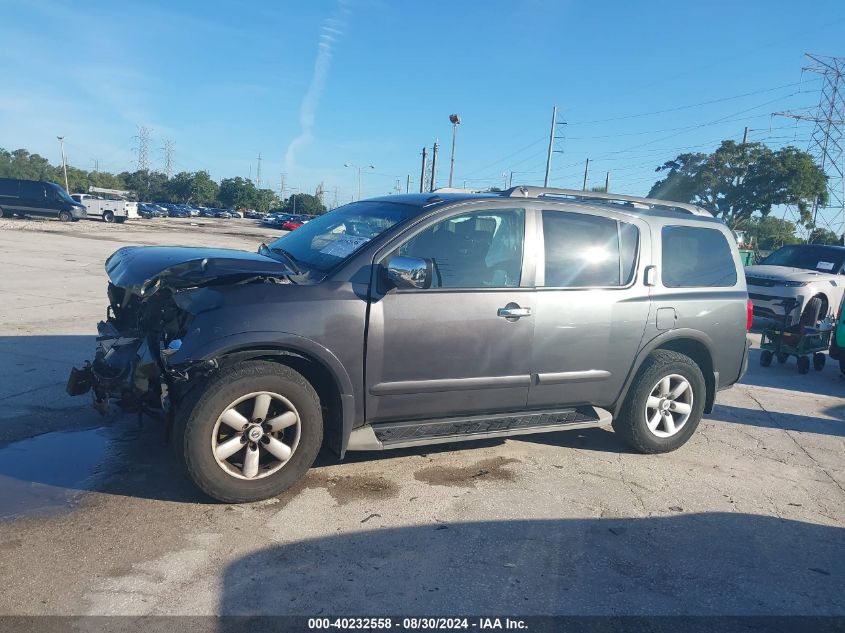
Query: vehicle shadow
[712,564]
[779,420]
[827,382]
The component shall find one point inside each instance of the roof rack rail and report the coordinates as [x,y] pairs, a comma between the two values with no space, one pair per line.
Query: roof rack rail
[613,198]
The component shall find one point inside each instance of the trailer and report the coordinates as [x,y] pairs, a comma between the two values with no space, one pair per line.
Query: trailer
[110,205]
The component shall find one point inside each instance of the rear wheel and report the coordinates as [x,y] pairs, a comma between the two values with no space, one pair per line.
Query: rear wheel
[664,403]
[251,432]
[818,361]
[120,220]
[765,358]
[108,216]
[65,216]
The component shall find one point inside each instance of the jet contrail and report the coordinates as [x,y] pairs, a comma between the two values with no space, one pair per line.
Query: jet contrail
[330,32]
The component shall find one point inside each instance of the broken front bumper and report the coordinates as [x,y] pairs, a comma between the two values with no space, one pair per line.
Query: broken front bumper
[125,367]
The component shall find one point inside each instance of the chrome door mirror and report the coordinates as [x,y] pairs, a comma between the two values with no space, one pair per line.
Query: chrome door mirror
[408,272]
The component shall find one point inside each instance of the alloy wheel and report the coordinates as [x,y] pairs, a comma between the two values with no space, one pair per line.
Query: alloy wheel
[669,405]
[256,435]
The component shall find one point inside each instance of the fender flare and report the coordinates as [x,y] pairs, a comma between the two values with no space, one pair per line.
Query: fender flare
[262,343]
[711,381]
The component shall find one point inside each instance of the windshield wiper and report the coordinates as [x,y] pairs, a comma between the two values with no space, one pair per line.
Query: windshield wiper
[287,256]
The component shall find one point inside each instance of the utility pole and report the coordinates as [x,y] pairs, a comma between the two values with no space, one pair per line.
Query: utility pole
[359,168]
[64,160]
[745,136]
[434,166]
[510,180]
[551,147]
[96,162]
[282,183]
[586,171]
[505,179]
[258,172]
[456,121]
[422,169]
[168,159]
[825,142]
[408,184]
[607,183]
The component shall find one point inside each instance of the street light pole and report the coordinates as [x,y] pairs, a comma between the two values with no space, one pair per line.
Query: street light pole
[456,121]
[359,174]
[64,160]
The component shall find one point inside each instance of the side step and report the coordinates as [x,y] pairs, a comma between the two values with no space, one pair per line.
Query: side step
[386,435]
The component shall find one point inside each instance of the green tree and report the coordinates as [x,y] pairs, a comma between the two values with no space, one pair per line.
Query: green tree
[824,236]
[771,233]
[147,185]
[739,180]
[303,203]
[194,187]
[237,193]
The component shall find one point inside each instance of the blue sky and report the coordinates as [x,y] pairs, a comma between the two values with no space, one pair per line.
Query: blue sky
[314,85]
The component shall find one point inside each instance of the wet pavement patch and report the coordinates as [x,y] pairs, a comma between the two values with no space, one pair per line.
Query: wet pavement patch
[347,488]
[468,476]
[45,473]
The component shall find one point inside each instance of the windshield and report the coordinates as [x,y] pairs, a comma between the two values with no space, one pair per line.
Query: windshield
[824,259]
[326,241]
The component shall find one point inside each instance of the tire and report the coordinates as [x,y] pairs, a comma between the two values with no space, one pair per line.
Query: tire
[803,364]
[632,423]
[65,216]
[120,220]
[199,427]
[812,312]
[1,212]
[765,358]
[108,216]
[782,358]
[819,360]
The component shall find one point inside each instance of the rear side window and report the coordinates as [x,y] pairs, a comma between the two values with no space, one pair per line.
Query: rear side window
[30,189]
[695,257]
[588,251]
[8,187]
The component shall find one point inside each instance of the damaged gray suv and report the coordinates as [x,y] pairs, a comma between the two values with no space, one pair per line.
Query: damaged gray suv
[420,319]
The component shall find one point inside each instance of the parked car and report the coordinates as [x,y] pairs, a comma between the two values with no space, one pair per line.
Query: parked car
[178,212]
[454,317]
[291,224]
[38,198]
[149,210]
[811,274]
[253,215]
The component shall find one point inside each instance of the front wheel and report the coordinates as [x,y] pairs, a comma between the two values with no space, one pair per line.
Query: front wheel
[65,216]
[664,403]
[251,432]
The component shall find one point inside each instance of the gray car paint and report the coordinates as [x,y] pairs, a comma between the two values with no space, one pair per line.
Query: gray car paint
[406,354]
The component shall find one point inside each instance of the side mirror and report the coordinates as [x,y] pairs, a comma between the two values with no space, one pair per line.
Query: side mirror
[409,272]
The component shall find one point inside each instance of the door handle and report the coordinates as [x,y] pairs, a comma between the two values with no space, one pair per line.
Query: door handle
[513,311]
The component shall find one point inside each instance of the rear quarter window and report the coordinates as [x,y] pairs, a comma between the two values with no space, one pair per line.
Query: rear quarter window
[696,257]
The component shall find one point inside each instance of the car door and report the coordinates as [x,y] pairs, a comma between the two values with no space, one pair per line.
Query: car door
[33,198]
[453,349]
[591,305]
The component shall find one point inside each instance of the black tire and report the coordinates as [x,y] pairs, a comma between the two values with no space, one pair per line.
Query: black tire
[782,358]
[819,361]
[198,413]
[765,358]
[108,216]
[1,212]
[65,216]
[120,220]
[630,422]
[803,364]
[812,312]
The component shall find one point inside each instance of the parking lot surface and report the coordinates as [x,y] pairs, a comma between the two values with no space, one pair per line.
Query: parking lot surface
[96,517]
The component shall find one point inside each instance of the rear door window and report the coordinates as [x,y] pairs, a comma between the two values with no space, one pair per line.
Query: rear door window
[696,257]
[588,251]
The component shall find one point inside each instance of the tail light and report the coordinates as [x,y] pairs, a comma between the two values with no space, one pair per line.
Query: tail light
[749,319]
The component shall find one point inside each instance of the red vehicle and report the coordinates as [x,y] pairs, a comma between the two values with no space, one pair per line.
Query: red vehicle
[290,225]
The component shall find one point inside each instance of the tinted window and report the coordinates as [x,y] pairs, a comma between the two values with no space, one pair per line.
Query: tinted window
[30,189]
[8,187]
[475,250]
[696,257]
[824,259]
[584,251]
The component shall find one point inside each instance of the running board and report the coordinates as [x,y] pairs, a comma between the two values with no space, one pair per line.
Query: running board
[386,435]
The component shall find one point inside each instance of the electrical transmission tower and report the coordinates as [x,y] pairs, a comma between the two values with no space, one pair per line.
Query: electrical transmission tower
[826,140]
[168,158]
[320,192]
[143,148]
[258,173]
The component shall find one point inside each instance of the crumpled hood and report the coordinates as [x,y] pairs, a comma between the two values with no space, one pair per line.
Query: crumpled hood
[783,273]
[144,269]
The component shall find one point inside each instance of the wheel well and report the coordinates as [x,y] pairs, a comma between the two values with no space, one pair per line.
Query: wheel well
[320,377]
[699,353]
[825,304]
